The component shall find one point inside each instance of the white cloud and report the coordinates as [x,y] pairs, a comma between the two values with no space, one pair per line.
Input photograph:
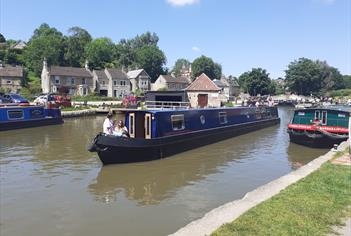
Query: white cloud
[180,3]
[196,49]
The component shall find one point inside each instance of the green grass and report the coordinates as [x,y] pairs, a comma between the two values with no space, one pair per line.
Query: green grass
[93,98]
[309,207]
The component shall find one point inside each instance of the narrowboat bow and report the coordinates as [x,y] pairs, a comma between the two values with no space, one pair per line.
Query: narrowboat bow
[320,127]
[156,134]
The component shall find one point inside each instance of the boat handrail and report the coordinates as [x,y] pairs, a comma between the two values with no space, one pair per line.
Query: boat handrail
[166,104]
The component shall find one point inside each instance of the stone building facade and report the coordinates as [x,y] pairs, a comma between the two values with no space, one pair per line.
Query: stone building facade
[11,78]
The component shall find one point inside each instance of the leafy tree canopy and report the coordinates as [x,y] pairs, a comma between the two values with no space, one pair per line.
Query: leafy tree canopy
[256,82]
[206,65]
[152,60]
[99,52]
[305,76]
[2,38]
[178,66]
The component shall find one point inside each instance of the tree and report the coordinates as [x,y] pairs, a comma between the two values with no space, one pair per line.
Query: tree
[46,43]
[257,81]
[152,60]
[179,65]
[75,45]
[206,65]
[305,76]
[99,52]
[242,81]
[347,81]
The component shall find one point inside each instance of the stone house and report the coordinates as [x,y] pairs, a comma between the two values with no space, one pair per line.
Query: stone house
[224,88]
[203,92]
[119,84]
[11,78]
[168,82]
[140,80]
[69,80]
[233,86]
[102,82]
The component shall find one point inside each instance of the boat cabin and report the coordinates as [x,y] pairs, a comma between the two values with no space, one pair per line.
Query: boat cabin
[151,124]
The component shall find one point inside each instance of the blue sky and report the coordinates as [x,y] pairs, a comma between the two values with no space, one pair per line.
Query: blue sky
[238,34]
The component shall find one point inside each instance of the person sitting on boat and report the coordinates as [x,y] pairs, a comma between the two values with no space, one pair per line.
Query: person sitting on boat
[108,126]
[120,130]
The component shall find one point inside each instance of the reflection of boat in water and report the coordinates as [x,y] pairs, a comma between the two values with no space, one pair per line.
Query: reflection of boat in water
[320,127]
[151,182]
[156,134]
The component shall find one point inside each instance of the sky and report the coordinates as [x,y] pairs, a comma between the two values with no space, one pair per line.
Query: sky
[238,34]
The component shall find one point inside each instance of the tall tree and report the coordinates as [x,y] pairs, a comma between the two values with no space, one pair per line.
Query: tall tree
[76,42]
[46,43]
[152,60]
[2,38]
[99,52]
[305,76]
[257,81]
[206,65]
[179,65]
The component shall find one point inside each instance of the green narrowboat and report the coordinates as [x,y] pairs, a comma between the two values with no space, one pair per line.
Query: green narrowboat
[320,127]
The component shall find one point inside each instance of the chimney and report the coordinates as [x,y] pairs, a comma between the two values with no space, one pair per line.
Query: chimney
[45,64]
[86,65]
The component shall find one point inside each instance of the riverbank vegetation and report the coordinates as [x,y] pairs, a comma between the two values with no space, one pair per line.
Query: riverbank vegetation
[309,207]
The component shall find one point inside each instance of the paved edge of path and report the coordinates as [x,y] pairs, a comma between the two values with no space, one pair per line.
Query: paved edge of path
[232,210]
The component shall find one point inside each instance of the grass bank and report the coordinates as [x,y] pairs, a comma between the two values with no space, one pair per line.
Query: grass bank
[309,207]
[74,108]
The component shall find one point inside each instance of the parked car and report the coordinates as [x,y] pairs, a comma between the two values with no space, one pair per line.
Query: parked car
[15,98]
[44,98]
[3,99]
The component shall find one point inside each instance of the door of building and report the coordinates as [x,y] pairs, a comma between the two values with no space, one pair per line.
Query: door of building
[202,100]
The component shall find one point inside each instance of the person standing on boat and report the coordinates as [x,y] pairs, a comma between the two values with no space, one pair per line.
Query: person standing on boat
[108,126]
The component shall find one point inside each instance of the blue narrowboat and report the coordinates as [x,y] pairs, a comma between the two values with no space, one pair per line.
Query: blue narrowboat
[18,117]
[156,134]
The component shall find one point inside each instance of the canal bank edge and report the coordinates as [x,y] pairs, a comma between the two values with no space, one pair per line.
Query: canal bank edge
[86,112]
[232,210]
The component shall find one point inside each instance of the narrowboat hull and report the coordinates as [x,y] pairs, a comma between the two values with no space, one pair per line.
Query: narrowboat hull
[318,140]
[113,150]
[10,125]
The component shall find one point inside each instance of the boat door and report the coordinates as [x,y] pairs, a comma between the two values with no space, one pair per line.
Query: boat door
[147,125]
[131,125]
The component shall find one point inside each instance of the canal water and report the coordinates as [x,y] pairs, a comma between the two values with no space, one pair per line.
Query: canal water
[51,185]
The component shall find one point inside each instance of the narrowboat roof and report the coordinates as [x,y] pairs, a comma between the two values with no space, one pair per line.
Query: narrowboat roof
[185,110]
[333,108]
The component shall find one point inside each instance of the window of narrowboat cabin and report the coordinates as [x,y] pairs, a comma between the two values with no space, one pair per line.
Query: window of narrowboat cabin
[131,125]
[15,114]
[341,115]
[223,117]
[324,117]
[317,115]
[177,122]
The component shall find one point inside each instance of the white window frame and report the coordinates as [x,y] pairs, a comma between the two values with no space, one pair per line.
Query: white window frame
[179,117]
[223,114]
[326,118]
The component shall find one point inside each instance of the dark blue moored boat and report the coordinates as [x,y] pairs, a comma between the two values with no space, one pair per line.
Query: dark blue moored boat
[18,117]
[156,134]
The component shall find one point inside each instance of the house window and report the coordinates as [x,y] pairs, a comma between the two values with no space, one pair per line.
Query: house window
[83,81]
[15,114]
[57,80]
[9,82]
[223,117]
[115,93]
[71,91]
[114,83]
[103,82]
[177,122]
[72,81]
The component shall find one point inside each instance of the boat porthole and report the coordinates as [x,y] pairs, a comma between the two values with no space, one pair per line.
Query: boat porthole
[202,119]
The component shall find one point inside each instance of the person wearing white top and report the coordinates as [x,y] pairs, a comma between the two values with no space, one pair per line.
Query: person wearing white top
[108,124]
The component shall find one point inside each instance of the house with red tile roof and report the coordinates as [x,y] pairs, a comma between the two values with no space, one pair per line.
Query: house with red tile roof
[203,92]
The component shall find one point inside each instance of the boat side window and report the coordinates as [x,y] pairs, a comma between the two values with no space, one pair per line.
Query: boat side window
[324,117]
[301,113]
[15,114]
[223,117]
[317,115]
[177,122]
[341,115]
